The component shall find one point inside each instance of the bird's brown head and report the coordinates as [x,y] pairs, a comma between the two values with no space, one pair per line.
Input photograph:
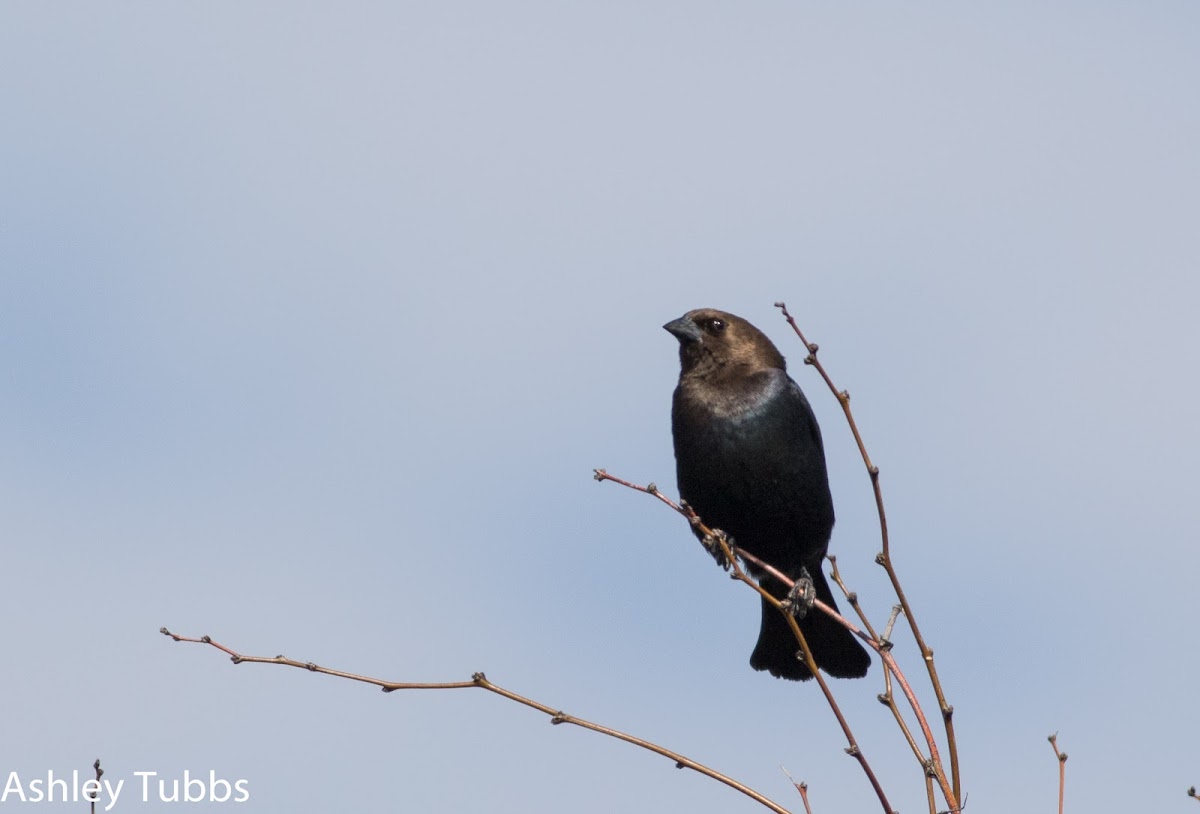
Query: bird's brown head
[716,344]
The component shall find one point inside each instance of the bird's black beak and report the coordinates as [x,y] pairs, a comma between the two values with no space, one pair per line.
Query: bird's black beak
[684,330]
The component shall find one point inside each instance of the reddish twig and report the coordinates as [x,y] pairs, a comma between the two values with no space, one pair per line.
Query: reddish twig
[1062,769]
[883,647]
[851,596]
[885,560]
[716,537]
[932,764]
[802,788]
[480,681]
[887,697]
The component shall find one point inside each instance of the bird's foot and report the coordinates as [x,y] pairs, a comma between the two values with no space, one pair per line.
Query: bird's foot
[801,596]
[712,542]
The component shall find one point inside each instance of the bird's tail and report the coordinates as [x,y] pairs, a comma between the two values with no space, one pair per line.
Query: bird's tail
[835,649]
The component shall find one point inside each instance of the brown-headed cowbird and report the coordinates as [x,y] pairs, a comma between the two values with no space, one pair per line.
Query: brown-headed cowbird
[749,460]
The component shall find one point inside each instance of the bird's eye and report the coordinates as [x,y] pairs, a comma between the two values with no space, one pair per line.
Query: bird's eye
[714,326]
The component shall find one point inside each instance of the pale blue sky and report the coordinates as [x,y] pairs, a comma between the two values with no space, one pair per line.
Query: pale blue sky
[315,321]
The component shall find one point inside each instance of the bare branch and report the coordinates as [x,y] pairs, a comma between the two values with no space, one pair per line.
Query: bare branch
[480,681]
[851,596]
[884,558]
[802,788]
[887,697]
[731,556]
[1062,769]
[99,774]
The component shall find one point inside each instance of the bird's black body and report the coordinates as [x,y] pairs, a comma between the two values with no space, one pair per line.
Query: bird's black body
[750,461]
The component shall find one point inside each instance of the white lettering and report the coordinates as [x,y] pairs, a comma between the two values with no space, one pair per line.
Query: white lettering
[212,788]
[57,789]
[188,780]
[13,786]
[113,792]
[145,784]
[162,791]
[51,783]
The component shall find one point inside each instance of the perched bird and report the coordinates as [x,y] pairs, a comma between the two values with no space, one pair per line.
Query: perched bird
[749,460]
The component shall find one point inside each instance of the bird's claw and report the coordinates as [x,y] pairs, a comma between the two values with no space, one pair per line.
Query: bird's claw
[712,542]
[802,595]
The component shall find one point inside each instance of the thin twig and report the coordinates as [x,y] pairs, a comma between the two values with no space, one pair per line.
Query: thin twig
[884,648]
[715,536]
[851,596]
[1062,769]
[802,788]
[891,622]
[99,774]
[885,559]
[479,680]
[888,696]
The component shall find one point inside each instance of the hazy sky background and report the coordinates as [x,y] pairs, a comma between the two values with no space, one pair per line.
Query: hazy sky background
[315,320]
